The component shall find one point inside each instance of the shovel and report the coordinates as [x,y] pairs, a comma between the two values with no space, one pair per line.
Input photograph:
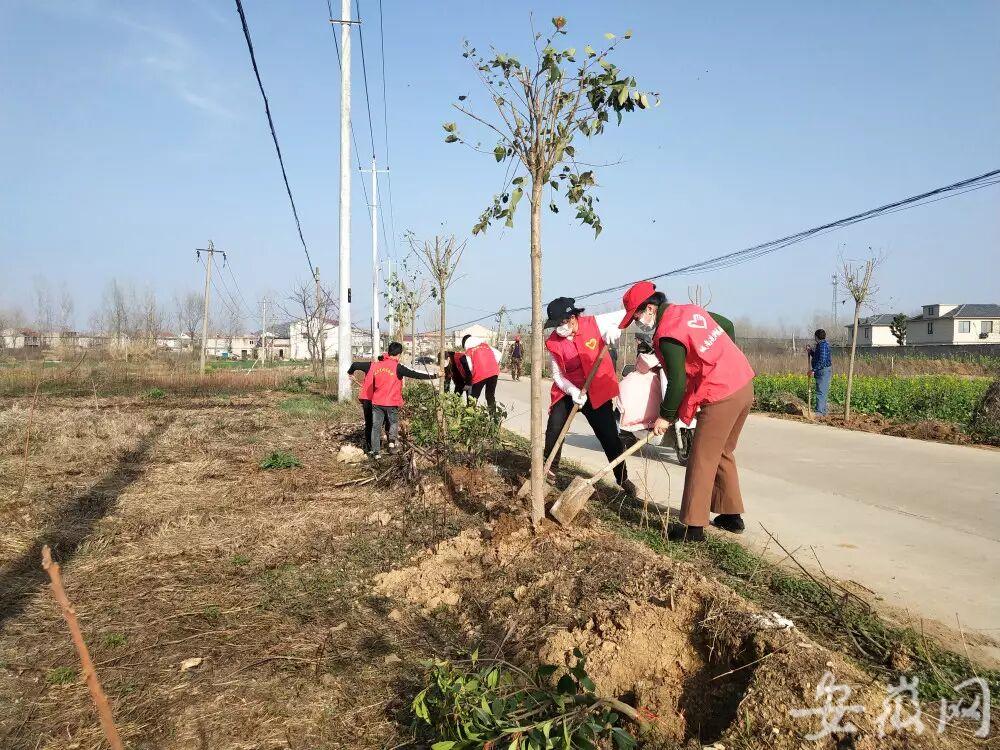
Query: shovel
[526,487]
[574,497]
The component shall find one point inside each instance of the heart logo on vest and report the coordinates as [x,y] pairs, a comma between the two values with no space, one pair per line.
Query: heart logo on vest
[591,344]
[697,321]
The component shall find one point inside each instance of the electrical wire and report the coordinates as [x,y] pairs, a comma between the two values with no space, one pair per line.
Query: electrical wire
[385,125]
[748,254]
[274,135]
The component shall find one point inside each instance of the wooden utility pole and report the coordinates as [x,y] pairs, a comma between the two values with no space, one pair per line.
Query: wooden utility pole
[210,251]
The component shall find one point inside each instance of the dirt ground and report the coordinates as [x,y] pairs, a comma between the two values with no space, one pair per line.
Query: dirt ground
[311,595]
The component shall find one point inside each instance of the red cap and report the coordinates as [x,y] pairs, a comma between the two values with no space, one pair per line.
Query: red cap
[633,299]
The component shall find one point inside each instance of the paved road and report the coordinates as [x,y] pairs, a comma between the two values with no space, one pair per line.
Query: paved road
[916,522]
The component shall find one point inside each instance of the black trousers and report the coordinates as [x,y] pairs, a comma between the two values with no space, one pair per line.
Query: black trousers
[458,380]
[602,421]
[490,386]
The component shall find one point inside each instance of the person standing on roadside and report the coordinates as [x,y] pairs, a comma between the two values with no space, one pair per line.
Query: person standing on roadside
[574,347]
[707,376]
[821,368]
[516,358]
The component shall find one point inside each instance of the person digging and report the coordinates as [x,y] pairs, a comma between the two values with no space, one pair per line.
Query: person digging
[383,385]
[482,363]
[574,347]
[708,374]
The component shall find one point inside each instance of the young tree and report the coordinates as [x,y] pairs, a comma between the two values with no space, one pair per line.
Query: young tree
[441,258]
[187,314]
[541,107]
[898,328]
[405,295]
[857,280]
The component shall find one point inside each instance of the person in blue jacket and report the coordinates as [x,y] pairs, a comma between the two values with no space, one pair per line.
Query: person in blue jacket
[821,368]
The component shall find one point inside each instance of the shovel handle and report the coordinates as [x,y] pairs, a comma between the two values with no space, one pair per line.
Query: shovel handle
[625,454]
[576,408]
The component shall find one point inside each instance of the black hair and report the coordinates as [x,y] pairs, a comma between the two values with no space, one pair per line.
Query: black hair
[657,299]
[465,338]
[395,349]
[820,334]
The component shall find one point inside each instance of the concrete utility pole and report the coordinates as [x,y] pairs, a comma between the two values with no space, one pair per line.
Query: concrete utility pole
[211,251]
[834,310]
[263,330]
[344,354]
[376,338]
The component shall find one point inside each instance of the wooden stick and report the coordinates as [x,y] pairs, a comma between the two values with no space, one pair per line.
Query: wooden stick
[93,684]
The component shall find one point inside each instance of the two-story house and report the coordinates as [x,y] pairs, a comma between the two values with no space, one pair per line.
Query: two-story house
[955,324]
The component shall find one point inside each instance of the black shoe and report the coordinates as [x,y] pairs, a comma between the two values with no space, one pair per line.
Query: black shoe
[682,533]
[731,522]
[629,488]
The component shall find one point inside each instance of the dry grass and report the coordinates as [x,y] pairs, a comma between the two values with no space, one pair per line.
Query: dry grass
[175,545]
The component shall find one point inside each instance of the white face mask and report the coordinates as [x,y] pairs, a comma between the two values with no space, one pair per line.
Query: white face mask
[564,330]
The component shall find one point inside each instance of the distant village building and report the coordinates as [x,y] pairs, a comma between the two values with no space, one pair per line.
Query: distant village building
[937,324]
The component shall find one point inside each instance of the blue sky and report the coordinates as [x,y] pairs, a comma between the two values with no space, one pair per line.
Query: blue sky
[132,132]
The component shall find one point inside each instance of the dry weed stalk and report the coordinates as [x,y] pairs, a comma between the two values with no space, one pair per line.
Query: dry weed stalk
[93,684]
[27,440]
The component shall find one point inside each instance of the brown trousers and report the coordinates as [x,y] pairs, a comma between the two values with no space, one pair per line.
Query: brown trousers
[711,480]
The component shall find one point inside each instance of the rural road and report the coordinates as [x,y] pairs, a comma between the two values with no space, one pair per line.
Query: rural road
[916,522]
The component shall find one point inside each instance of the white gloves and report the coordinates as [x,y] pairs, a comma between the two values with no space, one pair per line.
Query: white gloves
[579,398]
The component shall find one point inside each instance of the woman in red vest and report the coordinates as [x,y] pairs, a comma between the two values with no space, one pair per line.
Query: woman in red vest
[482,363]
[573,347]
[706,371]
[384,386]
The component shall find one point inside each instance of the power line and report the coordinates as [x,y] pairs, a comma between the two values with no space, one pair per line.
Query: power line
[274,135]
[765,248]
[385,124]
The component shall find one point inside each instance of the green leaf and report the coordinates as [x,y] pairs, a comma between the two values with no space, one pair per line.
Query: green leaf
[609,35]
[452,138]
[443,745]
[590,51]
[499,152]
[628,34]
[450,127]
[566,685]
[622,95]
[643,101]
[570,151]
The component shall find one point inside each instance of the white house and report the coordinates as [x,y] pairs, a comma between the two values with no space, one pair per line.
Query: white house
[361,340]
[955,324]
[874,331]
[480,332]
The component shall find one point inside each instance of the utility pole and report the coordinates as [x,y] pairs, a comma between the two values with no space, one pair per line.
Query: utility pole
[210,251]
[320,329]
[376,338]
[263,330]
[344,354]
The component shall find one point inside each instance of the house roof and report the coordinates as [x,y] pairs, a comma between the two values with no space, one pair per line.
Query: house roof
[881,319]
[966,311]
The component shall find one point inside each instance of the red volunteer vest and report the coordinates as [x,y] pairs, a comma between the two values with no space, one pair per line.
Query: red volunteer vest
[715,366]
[387,388]
[365,392]
[484,362]
[575,358]
[458,365]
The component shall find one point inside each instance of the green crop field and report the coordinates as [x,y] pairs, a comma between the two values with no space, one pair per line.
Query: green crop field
[950,398]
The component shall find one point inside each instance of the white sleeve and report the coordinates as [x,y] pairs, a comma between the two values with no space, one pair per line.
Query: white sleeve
[468,364]
[607,324]
[562,383]
[497,354]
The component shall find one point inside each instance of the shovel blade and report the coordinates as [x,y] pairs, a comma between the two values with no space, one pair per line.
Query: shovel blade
[573,499]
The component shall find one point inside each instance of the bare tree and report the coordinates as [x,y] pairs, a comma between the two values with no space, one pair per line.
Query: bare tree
[64,320]
[440,257]
[113,315]
[857,278]
[45,307]
[540,109]
[187,314]
[313,311]
[11,319]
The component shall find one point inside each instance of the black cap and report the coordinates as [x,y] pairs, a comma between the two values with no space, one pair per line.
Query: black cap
[559,309]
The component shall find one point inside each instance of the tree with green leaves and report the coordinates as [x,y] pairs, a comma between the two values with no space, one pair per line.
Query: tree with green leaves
[539,109]
[440,259]
[898,328]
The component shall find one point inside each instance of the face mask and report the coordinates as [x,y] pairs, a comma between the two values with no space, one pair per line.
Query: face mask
[564,330]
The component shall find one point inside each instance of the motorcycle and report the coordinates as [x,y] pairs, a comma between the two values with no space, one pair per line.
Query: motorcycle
[641,391]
